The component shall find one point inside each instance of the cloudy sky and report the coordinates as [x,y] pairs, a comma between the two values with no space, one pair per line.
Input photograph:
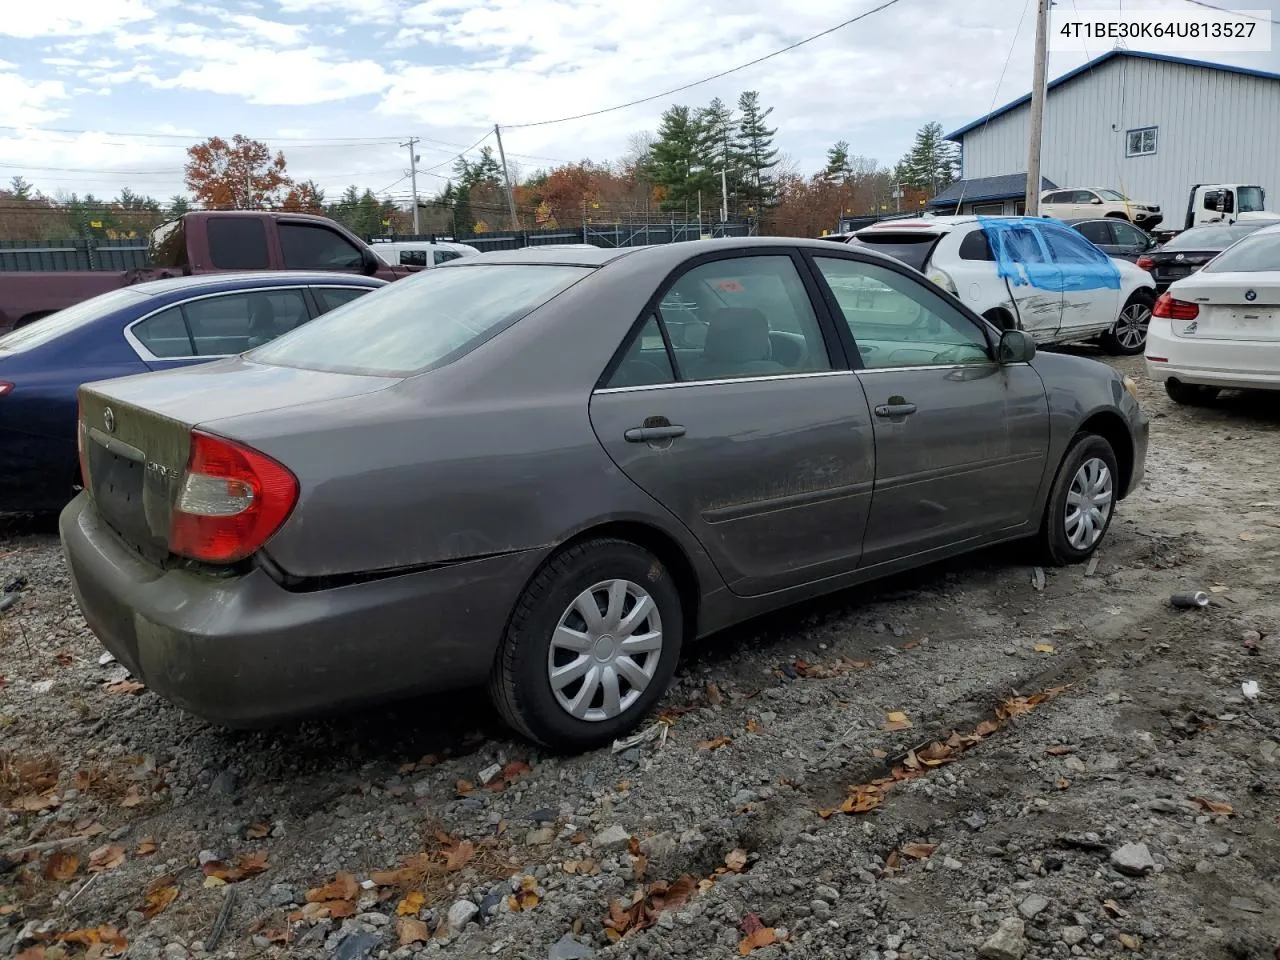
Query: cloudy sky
[96,95]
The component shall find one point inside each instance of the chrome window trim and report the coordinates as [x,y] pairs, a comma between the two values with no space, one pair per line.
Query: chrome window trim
[724,380]
[146,356]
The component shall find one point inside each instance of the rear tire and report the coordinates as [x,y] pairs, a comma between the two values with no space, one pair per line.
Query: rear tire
[573,681]
[1081,502]
[1128,336]
[1190,394]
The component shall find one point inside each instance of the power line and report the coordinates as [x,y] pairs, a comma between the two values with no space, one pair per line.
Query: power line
[1244,15]
[188,136]
[714,76]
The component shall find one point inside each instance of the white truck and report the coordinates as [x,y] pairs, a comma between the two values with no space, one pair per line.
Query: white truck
[1226,203]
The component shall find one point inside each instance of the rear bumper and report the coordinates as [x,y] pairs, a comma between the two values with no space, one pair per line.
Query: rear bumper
[243,651]
[1230,364]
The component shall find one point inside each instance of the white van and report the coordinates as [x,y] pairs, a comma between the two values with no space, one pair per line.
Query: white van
[420,253]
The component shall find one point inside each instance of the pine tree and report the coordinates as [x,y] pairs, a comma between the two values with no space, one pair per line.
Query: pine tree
[179,206]
[720,149]
[485,170]
[838,169]
[20,188]
[679,161]
[932,163]
[755,143]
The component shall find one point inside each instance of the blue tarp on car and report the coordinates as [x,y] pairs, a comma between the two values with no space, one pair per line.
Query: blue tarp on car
[1048,255]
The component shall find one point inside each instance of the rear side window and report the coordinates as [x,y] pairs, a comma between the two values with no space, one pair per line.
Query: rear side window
[423,321]
[1095,231]
[646,361]
[443,256]
[975,246]
[333,297]
[237,322]
[165,334]
[308,247]
[1067,246]
[1253,254]
[237,243]
[413,258]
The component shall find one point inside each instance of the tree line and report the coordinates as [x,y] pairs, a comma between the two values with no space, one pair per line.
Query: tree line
[698,159]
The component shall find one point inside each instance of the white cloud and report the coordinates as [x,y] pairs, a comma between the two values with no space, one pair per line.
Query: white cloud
[26,102]
[62,18]
[284,34]
[355,11]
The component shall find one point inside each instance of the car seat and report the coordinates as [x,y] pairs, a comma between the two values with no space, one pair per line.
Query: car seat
[737,345]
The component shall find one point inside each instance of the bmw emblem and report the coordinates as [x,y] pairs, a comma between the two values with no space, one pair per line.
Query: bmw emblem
[1251,295]
[109,420]
[1180,257]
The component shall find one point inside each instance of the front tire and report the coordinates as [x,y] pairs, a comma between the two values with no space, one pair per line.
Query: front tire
[1081,503]
[591,646]
[1191,394]
[1128,336]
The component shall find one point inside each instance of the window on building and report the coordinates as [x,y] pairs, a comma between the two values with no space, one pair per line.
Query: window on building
[988,209]
[1140,142]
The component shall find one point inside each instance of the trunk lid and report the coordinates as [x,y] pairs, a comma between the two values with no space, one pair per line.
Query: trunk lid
[1227,309]
[136,432]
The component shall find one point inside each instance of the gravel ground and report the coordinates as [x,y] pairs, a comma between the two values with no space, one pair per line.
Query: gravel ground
[1035,767]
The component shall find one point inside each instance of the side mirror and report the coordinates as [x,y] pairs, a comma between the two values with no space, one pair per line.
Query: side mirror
[1016,346]
[1096,200]
[369,262]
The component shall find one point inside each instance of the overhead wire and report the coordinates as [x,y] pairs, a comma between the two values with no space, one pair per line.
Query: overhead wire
[715,76]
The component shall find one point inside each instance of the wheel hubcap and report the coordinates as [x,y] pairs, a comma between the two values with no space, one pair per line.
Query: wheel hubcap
[1131,329]
[1089,502]
[605,650]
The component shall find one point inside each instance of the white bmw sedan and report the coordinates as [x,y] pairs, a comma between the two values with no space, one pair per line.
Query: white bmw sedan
[1220,327]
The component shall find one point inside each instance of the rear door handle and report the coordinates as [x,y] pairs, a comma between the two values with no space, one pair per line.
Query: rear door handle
[895,409]
[648,434]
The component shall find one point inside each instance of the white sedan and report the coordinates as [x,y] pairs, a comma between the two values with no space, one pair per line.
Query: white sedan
[1220,327]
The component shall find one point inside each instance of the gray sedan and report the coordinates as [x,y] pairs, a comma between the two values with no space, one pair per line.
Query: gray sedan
[548,470]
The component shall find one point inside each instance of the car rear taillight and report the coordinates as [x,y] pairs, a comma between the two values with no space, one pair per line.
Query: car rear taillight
[233,499]
[1146,263]
[1171,309]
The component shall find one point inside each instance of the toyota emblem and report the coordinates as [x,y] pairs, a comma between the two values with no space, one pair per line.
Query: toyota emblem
[1180,257]
[109,420]
[1251,295]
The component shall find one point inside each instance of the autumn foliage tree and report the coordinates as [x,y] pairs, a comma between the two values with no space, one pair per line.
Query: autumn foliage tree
[240,175]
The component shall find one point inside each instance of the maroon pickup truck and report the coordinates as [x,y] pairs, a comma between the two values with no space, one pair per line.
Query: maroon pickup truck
[204,242]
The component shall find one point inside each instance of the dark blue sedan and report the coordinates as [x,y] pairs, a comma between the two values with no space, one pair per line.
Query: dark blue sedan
[149,326]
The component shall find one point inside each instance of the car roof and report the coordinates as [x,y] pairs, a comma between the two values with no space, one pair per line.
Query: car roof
[259,278]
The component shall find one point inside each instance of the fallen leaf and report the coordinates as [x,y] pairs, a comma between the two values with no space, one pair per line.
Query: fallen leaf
[751,725]
[159,895]
[986,728]
[210,882]
[131,797]
[526,898]
[258,831]
[1045,648]
[715,744]
[582,868]
[9,908]
[146,847]
[1219,809]
[64,658]
[750,924]
[412,930]
[1063,783]
[515,770]
[106,858]
[910,645]
[892,861]
[124,686]
[1130,942]
[341,908]
[31,953]
[410,904]
[342,887]
[896,720]
[61,865]
[714,696]
[764,937]
[919,851]
[1114,909]
[736,860]
[88,828]
[460,855]
[1060,750]
[245,865]
[464,788]
[36,802]
[878,753]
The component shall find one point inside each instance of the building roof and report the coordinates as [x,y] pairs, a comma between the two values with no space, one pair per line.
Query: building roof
[1098,61]
[981,189]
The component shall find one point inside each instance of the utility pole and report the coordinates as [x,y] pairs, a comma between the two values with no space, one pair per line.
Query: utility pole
[724,195]
[413,180]
[511,197]
[1036,138]
[248,188]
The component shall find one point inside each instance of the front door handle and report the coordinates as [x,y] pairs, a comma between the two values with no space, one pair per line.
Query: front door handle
[649,434]
[895,409]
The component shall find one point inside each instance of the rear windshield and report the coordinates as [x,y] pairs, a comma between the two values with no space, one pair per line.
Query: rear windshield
[913,249]
[1254,254]
[425,321]
[64,321]
[1211,238]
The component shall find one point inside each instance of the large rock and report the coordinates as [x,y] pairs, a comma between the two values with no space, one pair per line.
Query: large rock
[460,914]
[1007,943]
[1133,859]
[612,838]
[567,948]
